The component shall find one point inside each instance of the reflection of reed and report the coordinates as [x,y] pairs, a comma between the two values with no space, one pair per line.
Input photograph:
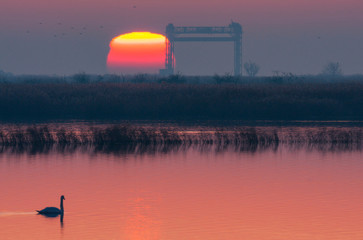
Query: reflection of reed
[124,139]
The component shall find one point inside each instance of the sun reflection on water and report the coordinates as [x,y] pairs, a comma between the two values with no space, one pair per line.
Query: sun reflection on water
[142,223]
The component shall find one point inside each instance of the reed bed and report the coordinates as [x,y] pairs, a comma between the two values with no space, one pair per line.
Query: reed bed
[45,101]
[132,139]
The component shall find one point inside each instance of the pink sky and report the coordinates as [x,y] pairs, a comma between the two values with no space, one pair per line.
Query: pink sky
[274,31]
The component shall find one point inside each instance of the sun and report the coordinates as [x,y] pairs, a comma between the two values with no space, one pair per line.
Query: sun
[137,52]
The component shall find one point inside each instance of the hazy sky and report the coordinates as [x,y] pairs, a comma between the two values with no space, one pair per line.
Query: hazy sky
[71,36]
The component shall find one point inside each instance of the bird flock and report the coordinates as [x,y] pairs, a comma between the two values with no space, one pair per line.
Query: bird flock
[61,30]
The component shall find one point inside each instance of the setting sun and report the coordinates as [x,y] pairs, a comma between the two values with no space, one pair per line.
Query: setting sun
[136,52]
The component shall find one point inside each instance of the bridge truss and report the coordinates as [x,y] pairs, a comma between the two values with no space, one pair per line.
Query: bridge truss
[231,33]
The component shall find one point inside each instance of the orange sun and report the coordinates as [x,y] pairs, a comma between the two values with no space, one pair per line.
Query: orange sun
[136,52]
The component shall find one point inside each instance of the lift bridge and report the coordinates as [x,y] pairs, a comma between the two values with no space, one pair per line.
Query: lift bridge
[231,33]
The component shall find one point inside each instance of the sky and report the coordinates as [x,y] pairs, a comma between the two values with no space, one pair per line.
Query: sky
[64,37]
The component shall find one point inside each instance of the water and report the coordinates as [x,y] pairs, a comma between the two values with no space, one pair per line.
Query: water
[279,193]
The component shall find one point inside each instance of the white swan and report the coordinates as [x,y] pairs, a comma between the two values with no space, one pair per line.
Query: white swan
[53,211]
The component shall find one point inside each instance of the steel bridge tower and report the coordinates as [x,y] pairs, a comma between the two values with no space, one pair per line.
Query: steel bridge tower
[231,33]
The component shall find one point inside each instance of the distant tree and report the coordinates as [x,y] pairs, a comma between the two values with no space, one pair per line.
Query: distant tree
[251,68]
[333,69]
[139,78]
[81,77]
[175,78]
[227,78]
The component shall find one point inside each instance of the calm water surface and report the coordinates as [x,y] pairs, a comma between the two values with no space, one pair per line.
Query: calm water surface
[283,194]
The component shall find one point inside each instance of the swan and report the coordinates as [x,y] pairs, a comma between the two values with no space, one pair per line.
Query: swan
[53,211]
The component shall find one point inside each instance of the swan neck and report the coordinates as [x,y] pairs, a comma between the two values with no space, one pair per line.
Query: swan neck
[61,205]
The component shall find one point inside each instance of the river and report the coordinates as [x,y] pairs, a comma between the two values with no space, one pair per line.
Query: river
[189,193]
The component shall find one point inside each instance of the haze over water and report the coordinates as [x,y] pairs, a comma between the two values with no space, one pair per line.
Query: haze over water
[193,194]
[71,36]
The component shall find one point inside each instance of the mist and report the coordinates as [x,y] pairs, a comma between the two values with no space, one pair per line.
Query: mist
[69,37]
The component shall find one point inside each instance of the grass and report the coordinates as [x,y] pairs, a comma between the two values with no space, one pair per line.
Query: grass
[275,98]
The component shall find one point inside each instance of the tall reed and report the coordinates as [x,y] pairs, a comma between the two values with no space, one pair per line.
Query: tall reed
[128,138]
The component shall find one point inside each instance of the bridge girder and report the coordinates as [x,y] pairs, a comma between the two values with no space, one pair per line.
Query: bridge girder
[230,33]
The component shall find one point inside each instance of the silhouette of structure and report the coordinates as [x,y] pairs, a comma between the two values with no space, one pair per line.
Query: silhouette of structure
[231,33]
[53,211]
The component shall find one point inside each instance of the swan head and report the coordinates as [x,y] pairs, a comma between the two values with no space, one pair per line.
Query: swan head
[63,198]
